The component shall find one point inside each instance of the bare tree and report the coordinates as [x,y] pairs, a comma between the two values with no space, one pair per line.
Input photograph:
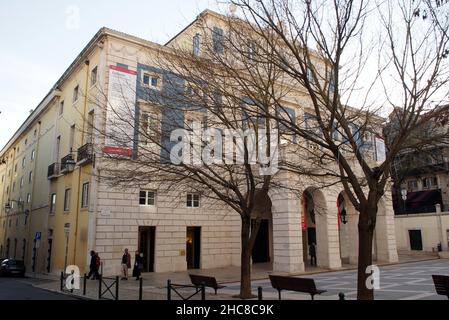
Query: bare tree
[405,54]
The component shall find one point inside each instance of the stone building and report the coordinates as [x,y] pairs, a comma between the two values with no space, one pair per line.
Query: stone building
[71,210]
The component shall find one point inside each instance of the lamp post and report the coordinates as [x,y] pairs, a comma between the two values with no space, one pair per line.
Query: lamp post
[404,196]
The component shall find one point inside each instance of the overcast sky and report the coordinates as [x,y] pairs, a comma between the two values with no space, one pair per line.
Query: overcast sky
[39,39]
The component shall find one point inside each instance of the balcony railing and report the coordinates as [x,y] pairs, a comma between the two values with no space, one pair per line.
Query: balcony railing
[53,170]
[64,160]
[85,153]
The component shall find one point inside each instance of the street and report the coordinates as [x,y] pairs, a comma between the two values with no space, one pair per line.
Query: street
[22,289]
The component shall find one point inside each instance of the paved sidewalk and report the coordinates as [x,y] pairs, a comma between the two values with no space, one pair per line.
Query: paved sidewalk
[154,284]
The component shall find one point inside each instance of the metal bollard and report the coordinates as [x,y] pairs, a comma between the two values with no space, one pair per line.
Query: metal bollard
[341,296]
[140,288]
[84,284]
[116,287]
[203,291]
[99,287]
[259,293]
[168,289]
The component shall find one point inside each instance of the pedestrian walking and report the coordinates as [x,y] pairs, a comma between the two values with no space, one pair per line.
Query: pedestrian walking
[93,266]
[126,264]
[138,265]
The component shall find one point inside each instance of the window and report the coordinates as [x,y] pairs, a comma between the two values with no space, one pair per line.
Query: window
[28,197]
[151,80]
[13,186]
[150,126]
[147,198]
[196,44]
[75,94]
[72,138]
[412,185]
[21,183]
[93,76]
[35,132]
[85,195]
[61,107]
[67,200]
[26,141]
[15,167]
[430,182]
[33,155]
[52,203]
[3,178]
[193,200]
[23,162]
[217,39]
[30,177]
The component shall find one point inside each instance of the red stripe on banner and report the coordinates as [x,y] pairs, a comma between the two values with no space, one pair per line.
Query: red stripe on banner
[118,151]
[121,69]
[303,215]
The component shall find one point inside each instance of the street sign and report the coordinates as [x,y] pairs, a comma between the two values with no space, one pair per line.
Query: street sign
[38,236]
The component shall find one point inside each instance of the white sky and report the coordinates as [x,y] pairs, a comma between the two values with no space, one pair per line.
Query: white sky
[39,39]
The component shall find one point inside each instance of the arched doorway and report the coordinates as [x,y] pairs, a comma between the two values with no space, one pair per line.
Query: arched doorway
[263,249]
[308,224]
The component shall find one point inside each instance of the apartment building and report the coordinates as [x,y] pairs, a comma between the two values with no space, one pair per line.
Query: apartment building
[56,207]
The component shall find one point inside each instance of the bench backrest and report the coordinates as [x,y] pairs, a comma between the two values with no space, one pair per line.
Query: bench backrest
[199,280]
[441,284]
[292,283]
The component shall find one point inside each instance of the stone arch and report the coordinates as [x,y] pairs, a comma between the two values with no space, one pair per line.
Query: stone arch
[263,247]
[348,232]
[314,224]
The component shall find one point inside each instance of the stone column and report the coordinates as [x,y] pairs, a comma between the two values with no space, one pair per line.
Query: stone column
[385,232]
[328,238]
[287,234]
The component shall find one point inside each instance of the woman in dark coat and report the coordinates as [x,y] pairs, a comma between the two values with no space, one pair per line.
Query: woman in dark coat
[138,264]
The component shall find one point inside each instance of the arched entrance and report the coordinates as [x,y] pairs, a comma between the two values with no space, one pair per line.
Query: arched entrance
[263,250]
[308,224]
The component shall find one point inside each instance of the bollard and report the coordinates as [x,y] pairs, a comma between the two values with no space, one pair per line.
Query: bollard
[203,291]
[84,284]
[140,288]
[99,287]
[62,281]
[116,287]
[168,289]
[259,293]
[341,296]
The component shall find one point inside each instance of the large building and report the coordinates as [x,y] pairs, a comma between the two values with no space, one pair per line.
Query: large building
[55,207]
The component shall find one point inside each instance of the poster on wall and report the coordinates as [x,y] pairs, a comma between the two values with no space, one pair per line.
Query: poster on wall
[120,112]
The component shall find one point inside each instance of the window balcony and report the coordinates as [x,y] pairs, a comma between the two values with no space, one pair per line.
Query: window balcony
[67,163]
[85,154]
[53,170]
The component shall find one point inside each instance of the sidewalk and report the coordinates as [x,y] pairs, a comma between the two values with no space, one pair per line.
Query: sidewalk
[154,284]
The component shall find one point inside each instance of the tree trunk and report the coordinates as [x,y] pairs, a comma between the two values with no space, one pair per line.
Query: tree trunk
[245,273]
[366,230]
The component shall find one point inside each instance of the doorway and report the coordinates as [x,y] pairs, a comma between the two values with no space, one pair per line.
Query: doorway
[147,236]
[415,239]
[261,249]
[193,247]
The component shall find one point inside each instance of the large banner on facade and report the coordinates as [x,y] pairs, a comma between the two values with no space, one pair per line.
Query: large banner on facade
[120,111]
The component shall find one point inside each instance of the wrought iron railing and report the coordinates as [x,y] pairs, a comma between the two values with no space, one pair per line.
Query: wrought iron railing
[53,170]
[85,153]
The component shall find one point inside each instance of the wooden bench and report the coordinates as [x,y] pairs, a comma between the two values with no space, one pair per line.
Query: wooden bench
[294,284]
[441,284]
[208,281]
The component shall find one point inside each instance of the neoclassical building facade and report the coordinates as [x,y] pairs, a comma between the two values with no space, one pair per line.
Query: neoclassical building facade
[72,210]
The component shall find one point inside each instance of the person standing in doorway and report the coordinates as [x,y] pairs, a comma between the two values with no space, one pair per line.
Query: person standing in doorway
[138,264]
[126,264]
[312,252]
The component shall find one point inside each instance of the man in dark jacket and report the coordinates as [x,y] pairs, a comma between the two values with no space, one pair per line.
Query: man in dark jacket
[93,266]
[126,264]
